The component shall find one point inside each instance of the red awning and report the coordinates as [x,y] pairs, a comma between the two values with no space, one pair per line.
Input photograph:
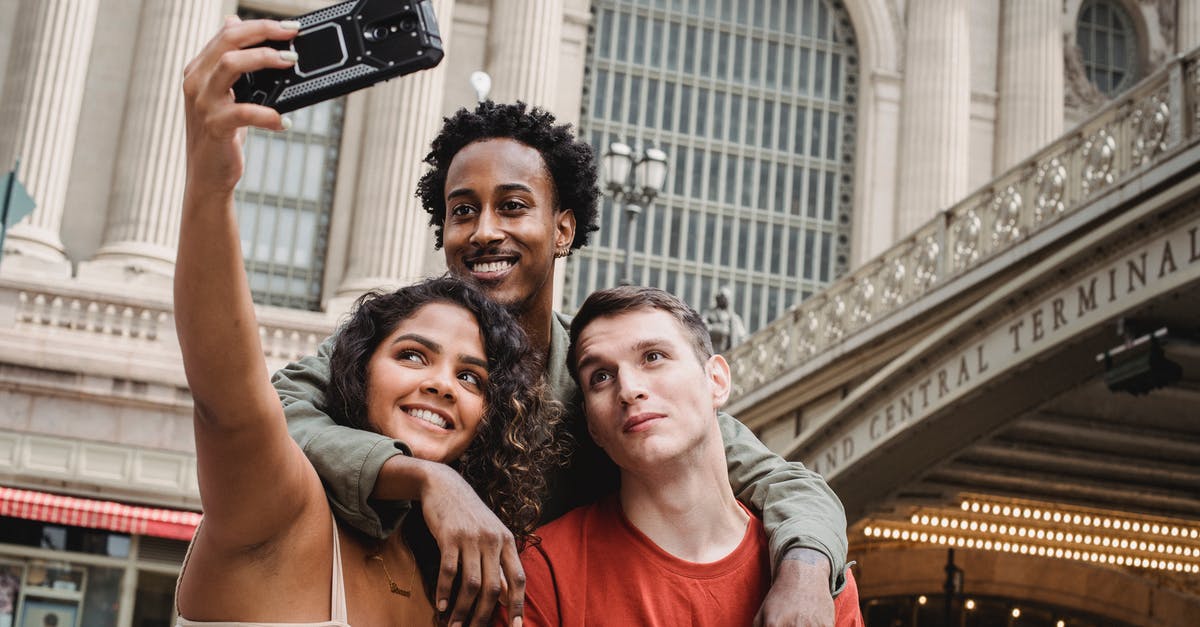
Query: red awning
[77,512]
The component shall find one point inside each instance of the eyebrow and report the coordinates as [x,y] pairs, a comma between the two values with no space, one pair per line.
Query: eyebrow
[420,339]
[644,345]
[506,187]
[437,348]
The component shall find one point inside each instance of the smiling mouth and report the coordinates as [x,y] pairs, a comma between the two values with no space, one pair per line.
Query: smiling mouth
[490,267]
[431,417]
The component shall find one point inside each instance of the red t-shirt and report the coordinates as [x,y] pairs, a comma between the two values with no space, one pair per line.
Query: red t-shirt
[594,567]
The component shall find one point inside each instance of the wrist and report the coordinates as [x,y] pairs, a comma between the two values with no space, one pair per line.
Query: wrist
[804,562]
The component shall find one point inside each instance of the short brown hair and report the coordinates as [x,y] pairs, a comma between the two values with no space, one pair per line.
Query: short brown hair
[618,300]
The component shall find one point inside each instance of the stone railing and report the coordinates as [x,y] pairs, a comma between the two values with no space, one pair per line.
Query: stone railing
[1144,126]
[74,313]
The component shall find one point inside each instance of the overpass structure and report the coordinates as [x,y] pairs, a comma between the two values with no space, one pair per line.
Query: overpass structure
[1018,380]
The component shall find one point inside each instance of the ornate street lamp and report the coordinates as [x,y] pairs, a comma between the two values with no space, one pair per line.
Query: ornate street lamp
[635,179]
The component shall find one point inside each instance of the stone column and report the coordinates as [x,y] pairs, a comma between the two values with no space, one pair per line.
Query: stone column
[1189,25]
[390,235]
[143,212]
[524,41]
[42,97]
[1030,111]
[936,117]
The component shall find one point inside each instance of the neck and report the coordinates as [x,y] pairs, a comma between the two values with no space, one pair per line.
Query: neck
[686,506]
[535,318]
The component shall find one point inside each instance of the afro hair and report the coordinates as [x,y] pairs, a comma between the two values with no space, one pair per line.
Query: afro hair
[570,162]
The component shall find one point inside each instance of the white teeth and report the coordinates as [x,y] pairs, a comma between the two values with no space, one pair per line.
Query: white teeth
[493,266]
[430,417]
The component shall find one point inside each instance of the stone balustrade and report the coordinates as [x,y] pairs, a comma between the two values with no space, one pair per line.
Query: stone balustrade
[1156,119]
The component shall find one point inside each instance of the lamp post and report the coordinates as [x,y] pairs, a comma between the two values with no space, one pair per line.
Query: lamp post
[634,178]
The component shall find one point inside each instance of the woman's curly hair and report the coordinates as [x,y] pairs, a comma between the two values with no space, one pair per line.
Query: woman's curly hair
[519,435]
[570,162]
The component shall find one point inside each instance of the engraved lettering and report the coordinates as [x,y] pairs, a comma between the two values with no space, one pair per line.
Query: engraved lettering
[1087,298]
[982,365]
[925,393]
[906,406]
[943,387]
[875,427]
[1060,320]
[963,375]
[1015,329]
[1195,245]
[1036,318]
[1136,270]
[1168,259]
[1112,284]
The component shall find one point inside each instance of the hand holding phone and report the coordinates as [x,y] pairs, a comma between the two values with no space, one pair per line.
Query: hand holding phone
[346,47]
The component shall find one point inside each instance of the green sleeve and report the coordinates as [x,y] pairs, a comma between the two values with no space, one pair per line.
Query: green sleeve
[347,460]
[798,508]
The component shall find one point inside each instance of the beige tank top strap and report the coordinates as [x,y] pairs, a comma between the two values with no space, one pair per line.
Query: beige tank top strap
[337,591]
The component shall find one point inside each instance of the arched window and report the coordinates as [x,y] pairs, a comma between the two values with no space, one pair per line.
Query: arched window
[754,103]
[1108,45]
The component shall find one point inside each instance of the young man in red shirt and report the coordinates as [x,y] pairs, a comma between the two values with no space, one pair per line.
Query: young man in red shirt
[673,546]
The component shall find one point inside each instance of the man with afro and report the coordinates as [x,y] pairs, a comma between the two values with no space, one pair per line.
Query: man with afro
[508,192]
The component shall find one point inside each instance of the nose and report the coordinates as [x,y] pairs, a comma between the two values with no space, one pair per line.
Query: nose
[439,382]
[487,229]
[631,387]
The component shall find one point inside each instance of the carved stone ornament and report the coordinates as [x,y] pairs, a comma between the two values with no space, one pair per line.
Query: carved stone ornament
[835,319]
[1006,217]
[893,284]
[806,343]
[864,300]
[1051,184]
[1099,156]
[925,264]
[967,229]
[1150,121]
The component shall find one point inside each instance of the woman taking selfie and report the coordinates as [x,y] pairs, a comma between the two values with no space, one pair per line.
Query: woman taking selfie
[435,365]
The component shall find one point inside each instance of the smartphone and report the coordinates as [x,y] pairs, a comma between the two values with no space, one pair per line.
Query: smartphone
[346,47]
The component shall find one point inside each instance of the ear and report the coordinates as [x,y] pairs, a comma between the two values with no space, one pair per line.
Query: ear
[716,371]
[564,228]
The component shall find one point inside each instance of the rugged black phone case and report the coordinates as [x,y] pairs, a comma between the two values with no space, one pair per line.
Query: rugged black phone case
[346,47]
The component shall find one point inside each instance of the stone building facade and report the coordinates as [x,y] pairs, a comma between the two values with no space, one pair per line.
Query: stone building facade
[937,98]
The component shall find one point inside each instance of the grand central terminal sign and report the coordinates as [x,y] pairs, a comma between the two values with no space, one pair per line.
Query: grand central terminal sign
[1096,291]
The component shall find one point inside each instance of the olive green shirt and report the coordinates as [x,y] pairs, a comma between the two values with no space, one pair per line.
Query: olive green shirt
[798,508]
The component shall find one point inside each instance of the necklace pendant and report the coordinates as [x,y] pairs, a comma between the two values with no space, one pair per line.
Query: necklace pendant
[396,590]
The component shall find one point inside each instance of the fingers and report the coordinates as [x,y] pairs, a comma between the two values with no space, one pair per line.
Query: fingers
[232,64]
[514,583]
[468,588]
[446,574]
[489,591]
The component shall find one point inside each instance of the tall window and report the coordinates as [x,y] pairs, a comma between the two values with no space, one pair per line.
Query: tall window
[1108,44]
[283,206]
[284,202]
[754,103]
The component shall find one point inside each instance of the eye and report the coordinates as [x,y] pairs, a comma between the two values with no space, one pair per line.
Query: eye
[411,356]
[598,377]
[653,356]
[461,211]
[513,204]
[471,378]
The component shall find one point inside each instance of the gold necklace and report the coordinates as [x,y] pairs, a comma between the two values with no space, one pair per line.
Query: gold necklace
[391,583]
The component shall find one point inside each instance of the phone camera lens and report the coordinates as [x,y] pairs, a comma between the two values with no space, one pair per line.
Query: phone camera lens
[408,23]
[377,33]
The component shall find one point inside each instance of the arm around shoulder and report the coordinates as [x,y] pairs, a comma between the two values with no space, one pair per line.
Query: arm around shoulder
[798,508]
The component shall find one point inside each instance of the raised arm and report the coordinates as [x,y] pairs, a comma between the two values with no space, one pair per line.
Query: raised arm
[253,479]
[804,519]
[349,461]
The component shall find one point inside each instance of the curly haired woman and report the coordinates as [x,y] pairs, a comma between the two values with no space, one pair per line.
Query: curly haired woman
[436,365]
